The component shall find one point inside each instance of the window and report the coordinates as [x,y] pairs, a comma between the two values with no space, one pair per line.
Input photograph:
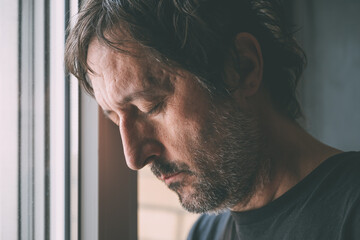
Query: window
[45,170]
[39,123]
[8,119]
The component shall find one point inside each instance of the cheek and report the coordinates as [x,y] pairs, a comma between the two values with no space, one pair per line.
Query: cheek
[178,132]
[184,119]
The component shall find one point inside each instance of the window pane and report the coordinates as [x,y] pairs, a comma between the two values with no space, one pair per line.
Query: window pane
[8,119]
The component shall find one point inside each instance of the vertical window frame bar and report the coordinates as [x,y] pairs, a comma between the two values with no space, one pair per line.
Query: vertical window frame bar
[74,135]
[9,121]
[47,164]
[67,142]
[57,120]
[26,121]
[39,111]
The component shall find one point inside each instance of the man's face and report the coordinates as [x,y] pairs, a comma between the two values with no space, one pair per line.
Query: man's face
[207,151]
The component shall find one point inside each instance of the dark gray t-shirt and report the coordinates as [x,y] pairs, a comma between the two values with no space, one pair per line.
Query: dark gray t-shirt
[324,205]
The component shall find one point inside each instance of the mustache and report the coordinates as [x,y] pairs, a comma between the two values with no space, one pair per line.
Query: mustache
[161,167]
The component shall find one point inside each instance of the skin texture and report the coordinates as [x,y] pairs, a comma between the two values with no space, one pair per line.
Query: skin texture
[236,152]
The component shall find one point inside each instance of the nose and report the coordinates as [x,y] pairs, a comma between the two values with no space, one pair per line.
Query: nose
[139,143]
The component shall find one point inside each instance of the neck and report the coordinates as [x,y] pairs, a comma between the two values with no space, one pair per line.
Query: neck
[292,155]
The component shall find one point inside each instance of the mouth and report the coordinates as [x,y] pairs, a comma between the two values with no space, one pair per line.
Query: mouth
[171,178]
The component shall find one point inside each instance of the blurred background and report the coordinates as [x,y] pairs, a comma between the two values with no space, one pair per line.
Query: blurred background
[62,173]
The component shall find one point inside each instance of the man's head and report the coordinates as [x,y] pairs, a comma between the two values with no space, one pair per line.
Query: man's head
[184,81]
[196,35]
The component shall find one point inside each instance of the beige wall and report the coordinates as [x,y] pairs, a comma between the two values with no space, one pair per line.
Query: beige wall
[160,216]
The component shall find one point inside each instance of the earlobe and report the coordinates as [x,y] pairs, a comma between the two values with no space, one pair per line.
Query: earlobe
[248,65]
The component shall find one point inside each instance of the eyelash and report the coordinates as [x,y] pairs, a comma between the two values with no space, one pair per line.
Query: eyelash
[157,108]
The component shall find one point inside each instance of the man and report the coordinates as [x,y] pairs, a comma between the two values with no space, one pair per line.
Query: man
[203,91]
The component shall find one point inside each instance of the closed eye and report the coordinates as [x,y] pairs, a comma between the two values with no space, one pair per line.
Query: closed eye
[111,116]
[156,108]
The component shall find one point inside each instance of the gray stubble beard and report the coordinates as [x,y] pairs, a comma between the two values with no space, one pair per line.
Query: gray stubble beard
[230,168]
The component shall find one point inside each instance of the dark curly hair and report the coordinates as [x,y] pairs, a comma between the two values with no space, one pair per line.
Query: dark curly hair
[196,35]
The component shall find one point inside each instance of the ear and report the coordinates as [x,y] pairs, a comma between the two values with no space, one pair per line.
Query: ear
[248,66]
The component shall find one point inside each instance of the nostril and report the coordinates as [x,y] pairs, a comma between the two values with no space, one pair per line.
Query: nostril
[138,154]
[150,150]
[150,159]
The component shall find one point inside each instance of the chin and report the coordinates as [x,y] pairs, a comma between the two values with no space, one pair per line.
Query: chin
[195,202]
[190,204]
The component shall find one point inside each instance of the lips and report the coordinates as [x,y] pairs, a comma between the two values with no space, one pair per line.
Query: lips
[171,177]
[165,177]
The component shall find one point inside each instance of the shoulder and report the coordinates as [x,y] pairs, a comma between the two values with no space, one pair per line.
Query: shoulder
[348,185]
[346,166]
[210,226]
[350,158]
[338,194]
[339,178]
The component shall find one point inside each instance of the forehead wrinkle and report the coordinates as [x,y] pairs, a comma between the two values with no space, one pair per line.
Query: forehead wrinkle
[123,75]
[100,96]
[101,91]
[117,74]
[133,75]
[143,70]
[100,59]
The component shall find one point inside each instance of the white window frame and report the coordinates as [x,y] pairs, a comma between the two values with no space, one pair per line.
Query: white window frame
[8,119]
[40,148]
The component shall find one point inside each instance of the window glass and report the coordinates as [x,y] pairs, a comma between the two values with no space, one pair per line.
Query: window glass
[8,119]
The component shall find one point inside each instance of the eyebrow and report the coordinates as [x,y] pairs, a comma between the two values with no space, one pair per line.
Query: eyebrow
[147,94]
[107,113]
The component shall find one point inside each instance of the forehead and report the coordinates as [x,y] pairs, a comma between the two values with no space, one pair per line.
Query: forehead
[135,64]
[117,74]
[120,78]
